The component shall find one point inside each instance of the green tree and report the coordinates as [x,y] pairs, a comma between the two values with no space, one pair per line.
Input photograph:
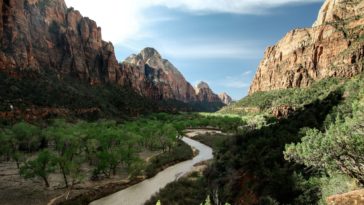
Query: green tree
[5,145]
[27,136]
[167,137]
[40,167]
[339,149]
[68,143]
[21,136]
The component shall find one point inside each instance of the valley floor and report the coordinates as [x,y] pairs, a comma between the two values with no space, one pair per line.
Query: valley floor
[15,190]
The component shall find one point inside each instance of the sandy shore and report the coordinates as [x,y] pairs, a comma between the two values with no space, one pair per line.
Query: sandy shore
[195,132]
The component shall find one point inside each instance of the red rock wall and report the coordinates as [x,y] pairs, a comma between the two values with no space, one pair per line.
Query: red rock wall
[333,47]
[45,34]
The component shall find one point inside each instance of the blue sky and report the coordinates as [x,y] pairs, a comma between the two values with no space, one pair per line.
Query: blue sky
[220,42]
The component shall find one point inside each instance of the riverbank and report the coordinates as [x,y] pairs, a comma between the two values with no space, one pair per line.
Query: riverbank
[157,163]
[15,190]
[140,193]
[193,186]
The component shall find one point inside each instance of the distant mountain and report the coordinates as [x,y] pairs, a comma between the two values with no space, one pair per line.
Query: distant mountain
[157,77]
[45,35]
[205,94]
[225,98]
[333,47]
[161,80]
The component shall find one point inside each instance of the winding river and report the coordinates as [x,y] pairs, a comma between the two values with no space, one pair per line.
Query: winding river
[142,192]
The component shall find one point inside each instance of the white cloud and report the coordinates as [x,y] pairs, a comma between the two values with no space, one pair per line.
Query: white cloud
[123,19]
[227,6]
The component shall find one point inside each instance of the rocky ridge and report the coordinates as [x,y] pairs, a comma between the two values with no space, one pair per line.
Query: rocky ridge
[205,94]
[159,74]
[225,98]
[39,35]
[333,47]
[45,34]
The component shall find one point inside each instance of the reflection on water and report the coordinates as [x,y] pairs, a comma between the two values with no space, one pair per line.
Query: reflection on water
[140,193]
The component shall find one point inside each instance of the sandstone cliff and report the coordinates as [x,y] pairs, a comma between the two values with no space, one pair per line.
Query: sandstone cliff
[41,35]
[225,98]
[158,74]
[333,47]
[205,94]
[350,198]
[45,34]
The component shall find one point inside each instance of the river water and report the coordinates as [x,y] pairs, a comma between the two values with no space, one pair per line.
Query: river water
[142,192]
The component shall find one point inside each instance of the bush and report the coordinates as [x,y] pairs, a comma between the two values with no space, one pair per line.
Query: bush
[179,153]
[182,192]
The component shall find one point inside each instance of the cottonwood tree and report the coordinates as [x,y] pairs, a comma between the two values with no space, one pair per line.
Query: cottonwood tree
[20,137]
[43,165]
[68,142]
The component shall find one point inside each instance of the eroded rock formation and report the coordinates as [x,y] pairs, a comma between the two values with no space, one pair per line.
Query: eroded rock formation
[333,47]
[205,94]
[225,98]
[40,35]
[45,34]
[159,74]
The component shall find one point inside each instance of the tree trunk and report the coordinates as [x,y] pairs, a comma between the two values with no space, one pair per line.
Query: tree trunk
[64,176]
[46,181]
[17,164]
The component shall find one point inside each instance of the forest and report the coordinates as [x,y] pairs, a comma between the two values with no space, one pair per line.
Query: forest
[314,153]
[71,147]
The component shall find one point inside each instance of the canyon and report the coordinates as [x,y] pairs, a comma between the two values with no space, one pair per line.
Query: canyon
[333,47]
[45,35]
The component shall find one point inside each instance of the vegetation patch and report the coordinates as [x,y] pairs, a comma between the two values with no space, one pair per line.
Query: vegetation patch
[322,142]
[293,97]
[179,153]
[185,191]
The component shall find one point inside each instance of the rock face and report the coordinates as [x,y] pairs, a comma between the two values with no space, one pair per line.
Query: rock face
[225,98]
[205,94]
[333,47]
[40,35]
[158,74]
[45,34]
[353,197]
[159,79]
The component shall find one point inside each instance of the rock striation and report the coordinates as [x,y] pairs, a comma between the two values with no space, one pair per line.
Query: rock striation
[45,34]
[353,197]
[205,94]
[334,46]
[225,98]
[157,77]
[39,35]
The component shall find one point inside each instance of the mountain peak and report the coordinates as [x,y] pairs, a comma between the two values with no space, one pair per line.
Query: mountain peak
[150,52]
[333,11]
[202,85]
[225,98]
[331,48]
